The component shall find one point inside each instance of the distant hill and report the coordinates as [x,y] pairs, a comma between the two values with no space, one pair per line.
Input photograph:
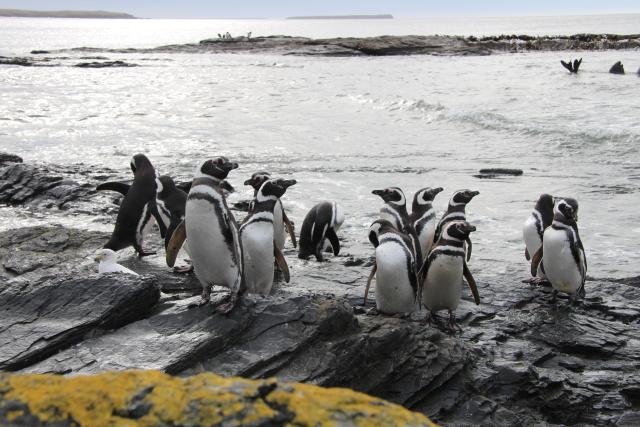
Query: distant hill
[385,16]
[63,14]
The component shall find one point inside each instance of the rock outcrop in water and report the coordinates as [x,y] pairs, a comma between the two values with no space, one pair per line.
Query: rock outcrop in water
[521,360]
[155,399]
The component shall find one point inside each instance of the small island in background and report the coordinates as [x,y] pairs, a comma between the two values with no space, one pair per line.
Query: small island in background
[19,13]
[384,16]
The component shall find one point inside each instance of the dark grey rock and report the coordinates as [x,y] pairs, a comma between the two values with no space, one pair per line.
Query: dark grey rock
[105,64]
[496,172]
[41,318]
[9,158]
[617,68]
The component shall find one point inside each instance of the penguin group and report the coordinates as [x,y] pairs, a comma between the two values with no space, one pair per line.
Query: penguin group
[419,260]
[574,66]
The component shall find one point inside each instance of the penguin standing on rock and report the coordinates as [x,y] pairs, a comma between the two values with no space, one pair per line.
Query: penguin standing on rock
[456,211]
[257,234]
[171,202]
[280,219]
[138,210]
[533,230]
[214,241]
[443,270]
[395,269]
[423,216]
[395,211]
[562,252]
[321,224]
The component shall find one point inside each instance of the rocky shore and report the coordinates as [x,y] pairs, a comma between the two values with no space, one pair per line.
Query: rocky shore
[347,47]
[520,360]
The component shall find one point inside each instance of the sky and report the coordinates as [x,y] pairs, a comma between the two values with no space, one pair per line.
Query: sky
[284,8]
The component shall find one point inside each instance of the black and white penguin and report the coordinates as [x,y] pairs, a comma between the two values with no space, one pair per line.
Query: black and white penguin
[443,270]
[281,223]
[456,211]
[212,232]
[565,263]
[171,203]
[138,211]
[534,227]
[257,234]
[321,224]
[423,216]
[395,211]
[395,269]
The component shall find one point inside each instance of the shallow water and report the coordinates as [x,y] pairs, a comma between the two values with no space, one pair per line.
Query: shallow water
[345,126]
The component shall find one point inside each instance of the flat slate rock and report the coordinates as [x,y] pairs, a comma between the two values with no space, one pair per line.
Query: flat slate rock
[39,319]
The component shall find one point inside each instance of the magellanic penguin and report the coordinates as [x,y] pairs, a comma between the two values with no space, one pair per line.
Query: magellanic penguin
[423,216]
[395,269]
[257,234]
[565,263]
[281,223]
[171,202]
[533,229]
[321,224]
[395,211]
[108,263]
[444,269]
[212,232]
[456,211]
[138,209]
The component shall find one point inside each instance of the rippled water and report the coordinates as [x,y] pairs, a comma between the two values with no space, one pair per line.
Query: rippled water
[344,126]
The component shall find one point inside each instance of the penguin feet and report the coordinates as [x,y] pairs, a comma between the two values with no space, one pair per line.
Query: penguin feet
[537,281]
[453,324]
[143,254]
[227,304]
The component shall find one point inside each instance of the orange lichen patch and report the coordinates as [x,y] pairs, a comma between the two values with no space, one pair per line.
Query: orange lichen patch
[150,398]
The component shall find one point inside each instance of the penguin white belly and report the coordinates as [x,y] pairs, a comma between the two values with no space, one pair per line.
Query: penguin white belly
[443,285]
[394,293]
[426,236]
[532,240]
[257,248]
[279,231]
[164,213]
[143,228]
[212,259]
[559,264]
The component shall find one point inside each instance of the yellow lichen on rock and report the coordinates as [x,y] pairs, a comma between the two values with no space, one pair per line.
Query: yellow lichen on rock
[151,398]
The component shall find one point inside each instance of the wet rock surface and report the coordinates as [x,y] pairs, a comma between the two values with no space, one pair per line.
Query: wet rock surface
[105,64]
[520,360]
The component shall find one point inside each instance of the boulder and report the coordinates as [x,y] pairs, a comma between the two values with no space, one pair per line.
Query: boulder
[9,158]
[153,398]
[42,318]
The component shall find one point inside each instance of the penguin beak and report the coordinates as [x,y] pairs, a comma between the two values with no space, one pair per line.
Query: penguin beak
[248,182]
[229,166]
[437,190]
[474,193]
[97,258]
[469,228]
[289,182]
[378,192]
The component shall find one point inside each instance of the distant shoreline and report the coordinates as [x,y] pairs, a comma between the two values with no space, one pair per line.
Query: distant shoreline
[100,14]
[381,16]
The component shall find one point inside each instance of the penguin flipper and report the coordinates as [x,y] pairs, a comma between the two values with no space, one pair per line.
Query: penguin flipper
[184,186]
[469,248]
[568,65]
[526,254]
[472,283]
[282,263]
[118,187]
[333,239]
[576,65]
[535,261]
[290,230]
[175,243]
[371,275]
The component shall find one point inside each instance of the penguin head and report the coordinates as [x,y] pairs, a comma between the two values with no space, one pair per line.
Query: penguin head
[545,203]
[140,161]
[377,227]
[164,185]
[392,195]
[218,167]
[257,179]
[462,197]
[105,255]
[274,188]
[568,208]
[459,230]
[426,195]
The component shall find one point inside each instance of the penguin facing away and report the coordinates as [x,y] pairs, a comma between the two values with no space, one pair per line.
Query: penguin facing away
[257,234]
[423,216]
[214,240]
[395,269]
[533,230]
[281,223]
[444,269]
[565,262]
[395,211]
[137,210]
[320,224]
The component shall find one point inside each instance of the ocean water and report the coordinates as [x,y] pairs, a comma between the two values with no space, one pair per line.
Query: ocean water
[345,126]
